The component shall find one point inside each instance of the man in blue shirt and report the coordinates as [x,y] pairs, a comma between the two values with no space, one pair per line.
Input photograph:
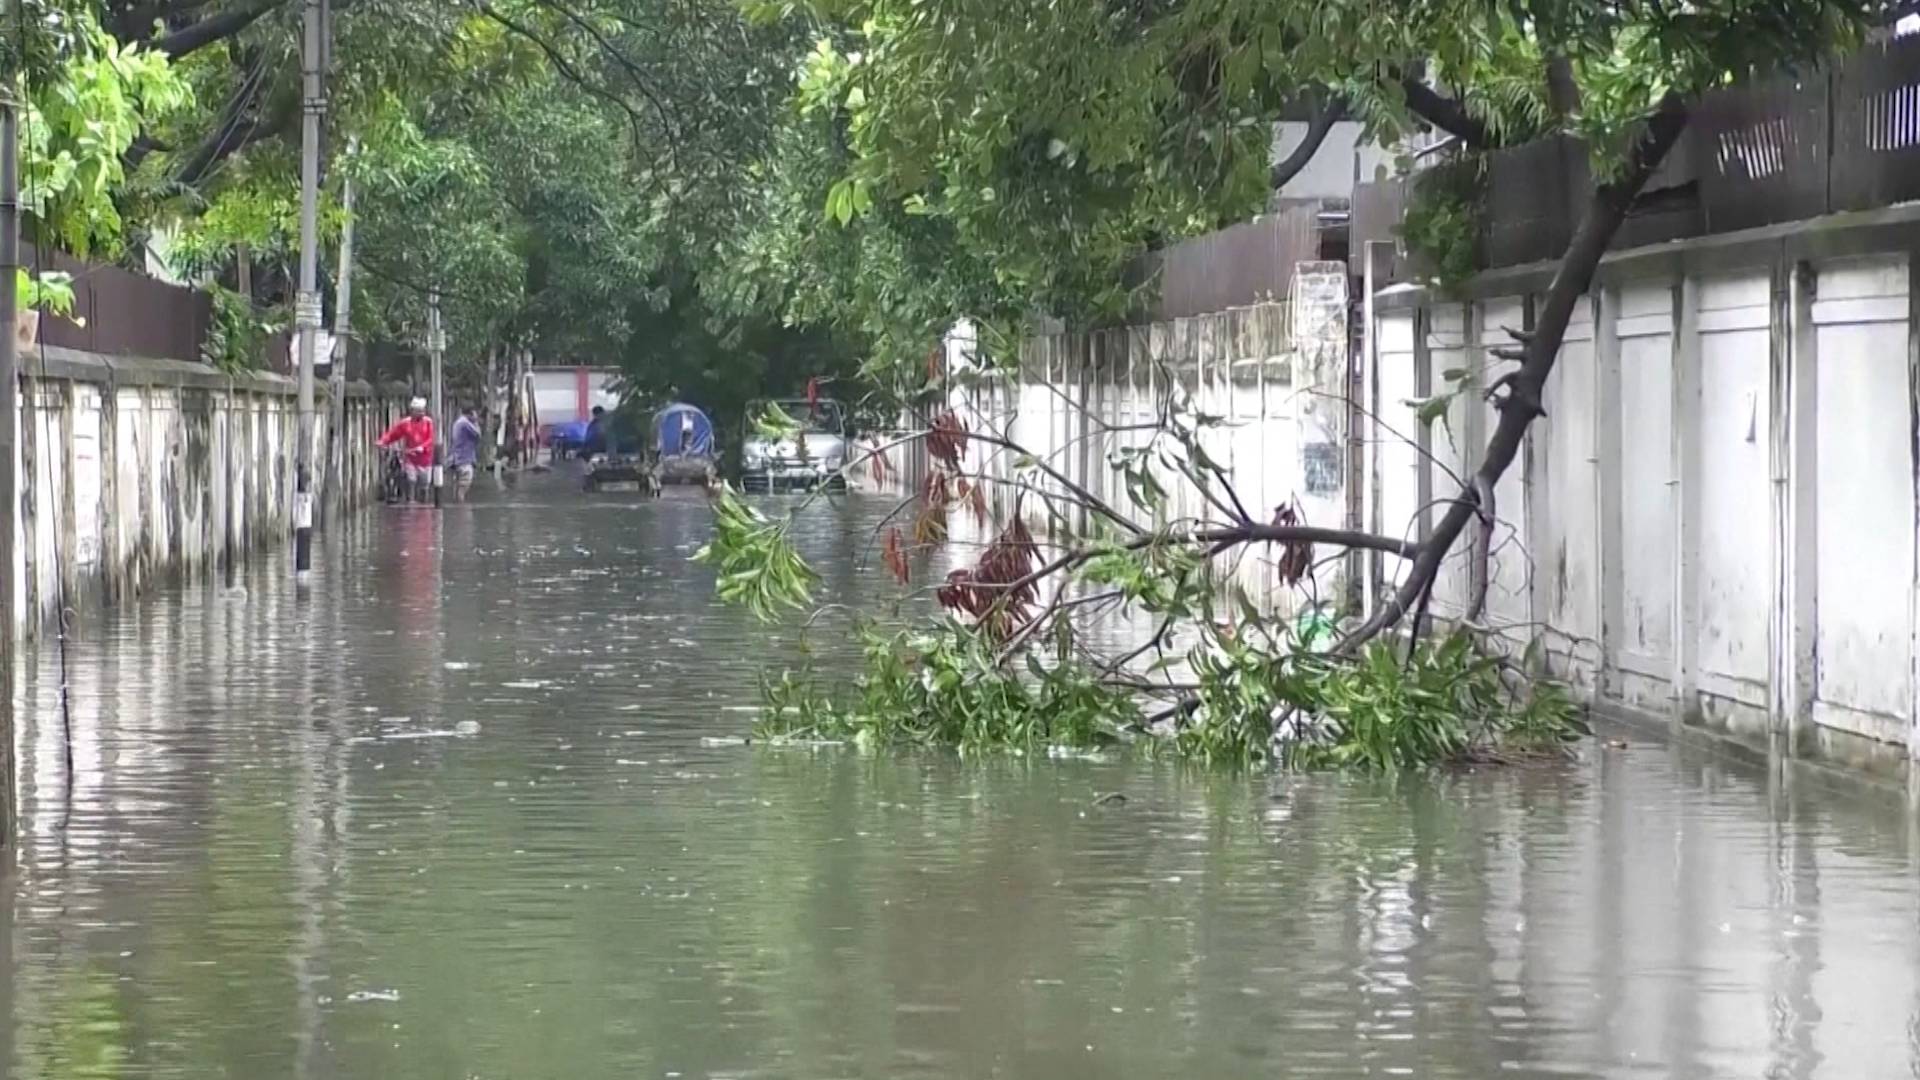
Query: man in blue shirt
[466,451]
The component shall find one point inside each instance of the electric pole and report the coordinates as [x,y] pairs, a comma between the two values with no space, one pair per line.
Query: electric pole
[9,438]
[306,306]
[436,348]
[342,333]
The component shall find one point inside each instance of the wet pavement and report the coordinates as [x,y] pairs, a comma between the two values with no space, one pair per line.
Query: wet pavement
[469,807]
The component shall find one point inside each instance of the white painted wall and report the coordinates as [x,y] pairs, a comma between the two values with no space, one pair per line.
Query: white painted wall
[1721,465]
[556,393]
[134,470]
[1078,399]
[1864,513]
[1641,570]
[1735,582]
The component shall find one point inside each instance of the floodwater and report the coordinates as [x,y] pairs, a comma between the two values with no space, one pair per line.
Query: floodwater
[462,811]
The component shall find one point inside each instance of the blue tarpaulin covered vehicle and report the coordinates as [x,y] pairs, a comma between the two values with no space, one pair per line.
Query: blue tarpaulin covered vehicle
[683,440]
[567,438]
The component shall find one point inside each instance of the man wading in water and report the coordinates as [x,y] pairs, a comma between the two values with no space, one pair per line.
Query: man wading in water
[466,452]
[413,433]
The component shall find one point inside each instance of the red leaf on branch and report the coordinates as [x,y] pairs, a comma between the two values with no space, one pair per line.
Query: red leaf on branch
[947,440]
[958,594]
[1296,557]
[977,502]
[930,527]
[894,556]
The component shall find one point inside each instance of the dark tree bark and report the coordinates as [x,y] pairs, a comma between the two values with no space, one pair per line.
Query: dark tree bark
[228,139]
[1329,114]
[134,21]
[214,28]
[1445,113]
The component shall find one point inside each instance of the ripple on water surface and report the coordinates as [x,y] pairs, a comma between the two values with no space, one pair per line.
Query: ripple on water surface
[473,807]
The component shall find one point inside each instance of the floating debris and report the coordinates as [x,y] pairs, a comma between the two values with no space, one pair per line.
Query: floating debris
[359,996]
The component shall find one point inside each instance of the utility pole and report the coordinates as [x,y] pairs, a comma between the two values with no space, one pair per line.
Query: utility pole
[306,307]
[9,440]
[436,346]
[342,332]
[491,417]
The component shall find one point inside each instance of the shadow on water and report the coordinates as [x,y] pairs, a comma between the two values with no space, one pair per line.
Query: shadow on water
[458,812]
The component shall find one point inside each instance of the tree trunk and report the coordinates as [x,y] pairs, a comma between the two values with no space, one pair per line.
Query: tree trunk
[1521,403]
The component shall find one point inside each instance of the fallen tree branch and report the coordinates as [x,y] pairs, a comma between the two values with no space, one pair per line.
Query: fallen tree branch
[1483,549]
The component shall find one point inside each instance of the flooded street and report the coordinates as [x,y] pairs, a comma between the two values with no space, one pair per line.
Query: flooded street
[470,808]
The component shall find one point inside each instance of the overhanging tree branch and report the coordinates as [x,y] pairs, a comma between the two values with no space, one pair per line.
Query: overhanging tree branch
[1329,114]
[213,28]
[634,74]
[224,141]
[1446,114]
[572,74]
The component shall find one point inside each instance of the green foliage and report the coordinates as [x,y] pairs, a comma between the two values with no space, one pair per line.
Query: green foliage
[238,335]
[757,565]
[84,105]
[1441,226]
[773,422]
[51,291]
[1162,578]
[1450,702]
[1040,148]
[948,686]
[943,688]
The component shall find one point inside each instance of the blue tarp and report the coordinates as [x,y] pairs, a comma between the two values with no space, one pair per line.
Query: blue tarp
[683,429]
[572,433]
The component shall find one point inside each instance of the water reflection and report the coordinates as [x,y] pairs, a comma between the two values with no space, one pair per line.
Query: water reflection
[285,849]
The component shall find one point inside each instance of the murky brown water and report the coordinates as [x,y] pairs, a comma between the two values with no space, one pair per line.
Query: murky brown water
[276,855]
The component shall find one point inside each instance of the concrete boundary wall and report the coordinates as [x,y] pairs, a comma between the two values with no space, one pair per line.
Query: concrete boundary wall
[1716,520]
[138,470]
[1078,402]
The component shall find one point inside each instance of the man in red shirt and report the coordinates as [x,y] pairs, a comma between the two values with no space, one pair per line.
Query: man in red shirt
[413,433]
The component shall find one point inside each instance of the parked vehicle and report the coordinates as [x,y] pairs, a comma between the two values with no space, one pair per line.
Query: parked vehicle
[813,451]
[619,456]
[684,446]
[622,472]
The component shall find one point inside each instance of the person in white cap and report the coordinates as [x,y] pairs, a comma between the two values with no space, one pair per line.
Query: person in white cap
[413,433]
